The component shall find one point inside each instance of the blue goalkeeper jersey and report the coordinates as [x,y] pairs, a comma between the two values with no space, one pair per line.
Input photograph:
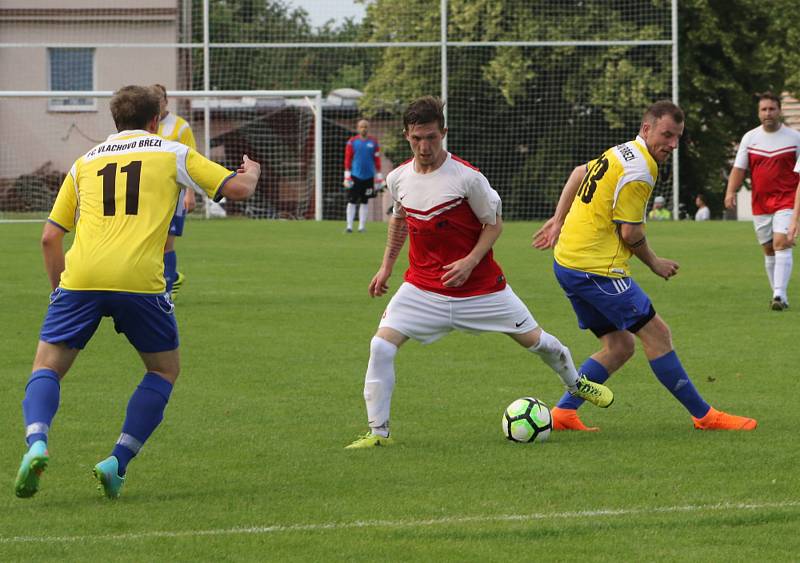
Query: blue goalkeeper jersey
[362,157]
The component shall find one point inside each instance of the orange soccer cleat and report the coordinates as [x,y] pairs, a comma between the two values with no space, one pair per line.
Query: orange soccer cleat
[567,419]
[718,420]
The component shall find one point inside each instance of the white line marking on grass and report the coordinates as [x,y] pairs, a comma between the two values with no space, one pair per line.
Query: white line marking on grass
[360,524]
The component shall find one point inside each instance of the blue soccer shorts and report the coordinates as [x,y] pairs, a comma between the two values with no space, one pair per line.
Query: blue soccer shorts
[148,321]
[604,304]
[179,217]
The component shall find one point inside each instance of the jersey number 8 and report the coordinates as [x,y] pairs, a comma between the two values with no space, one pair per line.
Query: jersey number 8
[594,175]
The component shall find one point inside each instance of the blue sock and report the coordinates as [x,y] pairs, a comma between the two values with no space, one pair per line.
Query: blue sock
[42,394]
[145,412]
[594,371]
[670,373]
[170,268]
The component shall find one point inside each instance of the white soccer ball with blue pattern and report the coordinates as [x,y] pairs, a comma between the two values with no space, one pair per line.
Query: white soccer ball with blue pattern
[527,420]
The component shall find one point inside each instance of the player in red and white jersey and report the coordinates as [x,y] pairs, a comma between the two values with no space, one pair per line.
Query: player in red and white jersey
[452,216]
[770,152]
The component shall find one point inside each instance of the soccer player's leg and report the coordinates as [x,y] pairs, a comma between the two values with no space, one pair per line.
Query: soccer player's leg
[378,387]
[409,314]
[363,204]
[783,259]
[354,197]
[172,276]
[657,342]
[602,305]
[148,322]
[72,318]
[763,228]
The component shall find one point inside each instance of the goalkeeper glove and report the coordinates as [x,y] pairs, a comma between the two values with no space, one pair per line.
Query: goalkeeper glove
[348,180]
[380,183]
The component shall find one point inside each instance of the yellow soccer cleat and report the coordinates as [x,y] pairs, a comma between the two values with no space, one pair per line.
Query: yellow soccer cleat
[370,440]
[596,393]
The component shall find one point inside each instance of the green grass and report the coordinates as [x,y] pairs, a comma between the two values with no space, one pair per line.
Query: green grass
[275,326]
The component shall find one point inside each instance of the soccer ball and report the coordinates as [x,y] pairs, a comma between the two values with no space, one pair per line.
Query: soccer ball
[527,420]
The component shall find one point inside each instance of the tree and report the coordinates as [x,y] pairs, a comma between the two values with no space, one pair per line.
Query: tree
[499,97]
[729,51]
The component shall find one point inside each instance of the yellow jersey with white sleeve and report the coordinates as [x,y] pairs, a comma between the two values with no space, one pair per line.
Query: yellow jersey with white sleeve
[175,128]
[119,198]
[614,190]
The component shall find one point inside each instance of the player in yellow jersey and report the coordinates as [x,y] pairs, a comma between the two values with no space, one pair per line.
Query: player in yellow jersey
[175,128]
[119,199]
[598,225]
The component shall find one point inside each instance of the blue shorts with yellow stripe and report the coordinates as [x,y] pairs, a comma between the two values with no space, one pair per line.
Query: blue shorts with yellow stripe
[604,304]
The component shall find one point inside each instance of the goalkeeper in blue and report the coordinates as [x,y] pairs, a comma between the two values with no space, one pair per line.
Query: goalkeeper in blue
[119,199]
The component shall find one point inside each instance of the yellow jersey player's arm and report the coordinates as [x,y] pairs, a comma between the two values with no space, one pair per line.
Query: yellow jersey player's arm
[629,214]
[216,180]
[60,221]
[547,236]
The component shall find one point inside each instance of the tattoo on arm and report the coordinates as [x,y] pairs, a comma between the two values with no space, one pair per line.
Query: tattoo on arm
[398,231]
[638,243]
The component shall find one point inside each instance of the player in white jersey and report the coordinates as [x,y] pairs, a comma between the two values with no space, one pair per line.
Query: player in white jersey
[453,217]
[770,152]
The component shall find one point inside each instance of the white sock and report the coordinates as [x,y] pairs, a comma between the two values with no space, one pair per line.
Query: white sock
[363,210]
[783,271]
[769,264]
[379,384]
[351,214]
[557,356]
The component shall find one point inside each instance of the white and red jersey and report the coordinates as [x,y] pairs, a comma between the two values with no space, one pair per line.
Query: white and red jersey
[445,211]
[771,159]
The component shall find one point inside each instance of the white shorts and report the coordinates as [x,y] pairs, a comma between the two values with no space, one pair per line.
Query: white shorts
[426,316]
[777,222]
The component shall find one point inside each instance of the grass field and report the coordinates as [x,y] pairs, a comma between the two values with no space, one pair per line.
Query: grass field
[275,324]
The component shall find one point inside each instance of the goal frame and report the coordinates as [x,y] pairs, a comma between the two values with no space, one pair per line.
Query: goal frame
[312,97]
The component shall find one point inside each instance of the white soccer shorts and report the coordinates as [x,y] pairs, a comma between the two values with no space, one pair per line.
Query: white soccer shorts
[426,316]
[777,222]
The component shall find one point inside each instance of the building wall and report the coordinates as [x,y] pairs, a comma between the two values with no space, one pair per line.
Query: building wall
[40,134]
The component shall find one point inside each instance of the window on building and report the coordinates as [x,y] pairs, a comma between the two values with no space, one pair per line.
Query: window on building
[71,69]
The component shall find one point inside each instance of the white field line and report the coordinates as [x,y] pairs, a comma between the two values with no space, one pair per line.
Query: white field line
[361,524]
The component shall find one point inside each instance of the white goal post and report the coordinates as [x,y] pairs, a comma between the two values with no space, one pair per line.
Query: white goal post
[45,131]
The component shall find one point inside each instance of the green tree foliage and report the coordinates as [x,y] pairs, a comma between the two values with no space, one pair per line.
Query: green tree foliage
[275,21]
[729,51]
[588,97]
[527,115]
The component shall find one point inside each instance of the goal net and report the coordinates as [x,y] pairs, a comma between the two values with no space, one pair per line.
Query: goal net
[276,129]
[533,87]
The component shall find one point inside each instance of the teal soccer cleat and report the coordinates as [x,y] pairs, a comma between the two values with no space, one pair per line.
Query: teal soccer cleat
[107,474]
[33,465]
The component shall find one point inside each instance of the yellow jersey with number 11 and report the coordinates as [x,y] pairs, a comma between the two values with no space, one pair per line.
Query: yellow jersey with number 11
[120,197]
[614,190]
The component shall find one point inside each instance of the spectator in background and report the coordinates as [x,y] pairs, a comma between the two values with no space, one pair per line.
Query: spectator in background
[703,212]
[659,212]
[362,174]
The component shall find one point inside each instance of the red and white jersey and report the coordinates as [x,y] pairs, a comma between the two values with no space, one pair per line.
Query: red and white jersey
[445,211]
[771,158]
